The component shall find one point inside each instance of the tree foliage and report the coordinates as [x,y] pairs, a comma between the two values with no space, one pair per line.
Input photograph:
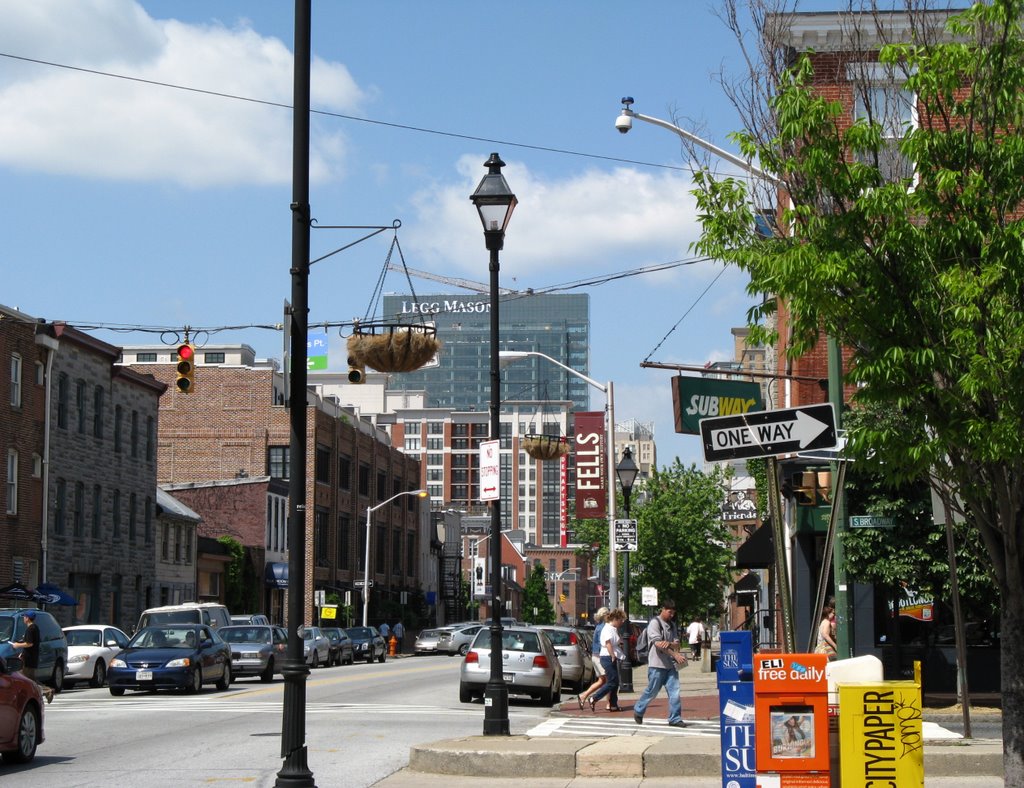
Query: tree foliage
[535,598]
[922,278]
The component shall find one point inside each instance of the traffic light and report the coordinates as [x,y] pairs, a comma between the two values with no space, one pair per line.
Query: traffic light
[186,368]
[561,597]
[356,371]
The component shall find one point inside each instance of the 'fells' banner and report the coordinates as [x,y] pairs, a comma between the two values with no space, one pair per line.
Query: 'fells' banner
[694,399]
[590,465]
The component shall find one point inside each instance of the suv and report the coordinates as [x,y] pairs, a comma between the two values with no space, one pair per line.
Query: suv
[53,646]
[209,613]
[251,618]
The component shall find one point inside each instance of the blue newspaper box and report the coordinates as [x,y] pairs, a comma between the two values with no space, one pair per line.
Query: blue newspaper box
[735,672]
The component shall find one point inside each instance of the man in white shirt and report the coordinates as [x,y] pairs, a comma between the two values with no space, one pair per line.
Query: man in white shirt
[695,634]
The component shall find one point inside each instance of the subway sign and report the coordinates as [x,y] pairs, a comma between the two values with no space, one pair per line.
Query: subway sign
[694,399]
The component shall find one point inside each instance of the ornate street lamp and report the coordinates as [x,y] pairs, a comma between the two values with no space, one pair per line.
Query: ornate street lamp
[627,471]
[495,202]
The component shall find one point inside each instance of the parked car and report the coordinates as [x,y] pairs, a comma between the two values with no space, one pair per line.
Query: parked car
[173,656]
[208,613]
[256,650]
[529,665]
[21,713]
[573,649]
[53,646]
[90,649]
[341,646]
[432,641]
[461,639]
[316,648]
[368,644]
[251,618]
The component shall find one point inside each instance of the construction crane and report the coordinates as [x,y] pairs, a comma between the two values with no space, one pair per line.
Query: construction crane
[465,284]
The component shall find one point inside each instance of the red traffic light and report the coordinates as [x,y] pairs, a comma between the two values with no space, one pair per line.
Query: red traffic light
[186,352]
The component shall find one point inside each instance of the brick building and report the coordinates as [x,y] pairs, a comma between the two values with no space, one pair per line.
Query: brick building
[235,425]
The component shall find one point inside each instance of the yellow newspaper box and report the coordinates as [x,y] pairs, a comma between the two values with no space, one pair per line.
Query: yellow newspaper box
[880,739]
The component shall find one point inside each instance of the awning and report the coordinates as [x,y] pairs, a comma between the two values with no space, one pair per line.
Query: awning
[758,551]
[749,582]
[50,594]
[276,574]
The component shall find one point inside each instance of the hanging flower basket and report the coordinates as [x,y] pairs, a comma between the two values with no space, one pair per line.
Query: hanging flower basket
[391,347]
[545,447]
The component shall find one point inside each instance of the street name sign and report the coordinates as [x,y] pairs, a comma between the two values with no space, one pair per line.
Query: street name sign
[625,536]
[361,583]
[769,433]
[871,521]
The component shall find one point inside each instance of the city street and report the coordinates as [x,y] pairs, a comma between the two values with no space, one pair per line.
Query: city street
[360,723]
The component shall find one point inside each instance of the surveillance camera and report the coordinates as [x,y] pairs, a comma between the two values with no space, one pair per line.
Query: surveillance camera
[623,123]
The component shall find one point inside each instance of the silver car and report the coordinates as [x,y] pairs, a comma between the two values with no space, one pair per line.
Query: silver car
[573,648]
[461,639]
[432,641]
[529,665]
[316,648]
[256,650]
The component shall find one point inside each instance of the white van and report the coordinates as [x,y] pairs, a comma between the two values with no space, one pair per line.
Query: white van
[209,613]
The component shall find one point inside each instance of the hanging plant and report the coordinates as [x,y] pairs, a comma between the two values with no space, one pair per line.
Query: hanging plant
[545,447]
[390,347]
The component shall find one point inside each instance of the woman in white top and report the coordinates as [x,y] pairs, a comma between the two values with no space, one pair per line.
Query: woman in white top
[611,653]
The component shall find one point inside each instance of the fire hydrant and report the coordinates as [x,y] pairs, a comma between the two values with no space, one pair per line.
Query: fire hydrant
[392,646]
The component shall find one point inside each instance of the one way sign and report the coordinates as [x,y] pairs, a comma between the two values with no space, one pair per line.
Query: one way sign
[767,433]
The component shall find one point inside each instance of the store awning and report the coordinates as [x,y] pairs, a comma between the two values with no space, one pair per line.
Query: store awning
[758,551]
[276,574]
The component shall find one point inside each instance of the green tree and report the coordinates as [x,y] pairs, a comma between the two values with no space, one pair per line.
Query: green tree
[921,278]
[535,598]
[683,544]
[241,588]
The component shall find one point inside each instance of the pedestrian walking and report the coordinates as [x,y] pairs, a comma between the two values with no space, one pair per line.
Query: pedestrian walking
[399,632]
[695,635]
[29,645]
[385,631]
[826,633]
[595,656]
[611,653]
[663,661]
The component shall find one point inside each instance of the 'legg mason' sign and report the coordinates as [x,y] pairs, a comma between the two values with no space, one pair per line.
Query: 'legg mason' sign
[768,433]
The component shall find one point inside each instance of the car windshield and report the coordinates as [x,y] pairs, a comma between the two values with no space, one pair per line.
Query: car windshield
[307,634]
[332,636]
[83,637]
[164,637]
[557,637]
[173,617]
[359,632]
[245,634]
[7,628]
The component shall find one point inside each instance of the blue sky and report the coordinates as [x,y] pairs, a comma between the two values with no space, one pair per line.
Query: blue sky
[134,204]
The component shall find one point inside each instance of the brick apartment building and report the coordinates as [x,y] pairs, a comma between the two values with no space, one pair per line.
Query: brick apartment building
[234,426]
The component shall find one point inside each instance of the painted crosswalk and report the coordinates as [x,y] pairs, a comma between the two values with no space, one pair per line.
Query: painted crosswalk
[594,727]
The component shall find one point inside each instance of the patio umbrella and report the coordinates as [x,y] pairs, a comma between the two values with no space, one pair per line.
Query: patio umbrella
[49,594]
[17,591]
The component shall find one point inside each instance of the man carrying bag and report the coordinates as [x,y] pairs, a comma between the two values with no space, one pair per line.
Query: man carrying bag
[663,662]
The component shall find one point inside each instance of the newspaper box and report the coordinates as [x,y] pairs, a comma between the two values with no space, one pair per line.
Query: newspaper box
[735,670]
[791,719]
[880,738]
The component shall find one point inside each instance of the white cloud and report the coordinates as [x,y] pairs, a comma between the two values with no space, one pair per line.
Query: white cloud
[68,122]
[583,225]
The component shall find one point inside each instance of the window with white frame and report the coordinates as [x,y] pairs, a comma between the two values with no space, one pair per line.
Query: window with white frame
[15,380]
[880,99]
[12,481]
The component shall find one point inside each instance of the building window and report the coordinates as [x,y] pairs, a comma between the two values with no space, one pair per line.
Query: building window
[131,517]
[40,373]
[165,542]
[344,472]
[382,486]
[213,358]
[412,443]
[12,481]
[150,438]
[396,552]
[344,534]
[179,544]
[79,513]
[435,459]
[60,506]
[188,545]
[80,405]
[97,511]
[16,380]
[97,412]
[410,554]
[435,444]
[412,427]
[277,462]
[143,358]
[117,428]
[380,549]
[364,480]
[880,100]
[435,428]
[37,466]
[322,537]
[147,520]
[62,400]
[115,514]
[135,433]
[322,465]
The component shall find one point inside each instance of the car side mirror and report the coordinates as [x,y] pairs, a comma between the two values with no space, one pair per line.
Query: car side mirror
[111,644]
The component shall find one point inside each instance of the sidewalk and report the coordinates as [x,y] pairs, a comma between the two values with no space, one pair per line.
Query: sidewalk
[648,760]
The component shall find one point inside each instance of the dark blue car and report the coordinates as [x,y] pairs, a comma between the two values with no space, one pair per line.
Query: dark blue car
[173,656]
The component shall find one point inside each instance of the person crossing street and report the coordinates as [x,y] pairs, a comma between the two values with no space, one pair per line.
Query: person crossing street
[663,661]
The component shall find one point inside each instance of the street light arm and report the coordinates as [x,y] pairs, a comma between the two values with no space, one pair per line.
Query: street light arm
[514,355]
[732,158]
[421,493]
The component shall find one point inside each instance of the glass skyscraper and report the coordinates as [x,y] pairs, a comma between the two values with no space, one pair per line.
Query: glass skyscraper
[554,324]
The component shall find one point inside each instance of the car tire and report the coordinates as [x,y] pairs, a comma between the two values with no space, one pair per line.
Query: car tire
[466,695]
[316,660]
[547,696]
[383,656]
[268,674]
[463,649]
[57,679]
[556,696]
[196,684]
[99,675]
[225,680]
[28,737]
[352,658]
[117,692]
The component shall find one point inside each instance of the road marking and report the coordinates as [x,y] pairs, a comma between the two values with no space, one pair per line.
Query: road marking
[584,726]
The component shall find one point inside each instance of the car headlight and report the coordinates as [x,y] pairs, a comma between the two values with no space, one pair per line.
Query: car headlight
[184,662]
[77,658]
[118,663]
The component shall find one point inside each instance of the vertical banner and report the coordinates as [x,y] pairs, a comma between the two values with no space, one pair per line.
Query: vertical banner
[590,448]
[563,500]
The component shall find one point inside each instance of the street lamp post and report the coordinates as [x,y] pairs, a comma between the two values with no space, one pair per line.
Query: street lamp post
[495,203]
[508,356]
[366,555]
[558,577]
[627,471]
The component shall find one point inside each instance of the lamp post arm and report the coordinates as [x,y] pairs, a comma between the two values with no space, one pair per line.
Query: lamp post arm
[732,158]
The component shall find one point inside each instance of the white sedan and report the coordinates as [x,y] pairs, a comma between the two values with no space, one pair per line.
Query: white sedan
[90,649]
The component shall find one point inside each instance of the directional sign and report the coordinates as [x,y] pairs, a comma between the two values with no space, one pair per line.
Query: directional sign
[625,536]
[871,521]
[768,433]
[360,583]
